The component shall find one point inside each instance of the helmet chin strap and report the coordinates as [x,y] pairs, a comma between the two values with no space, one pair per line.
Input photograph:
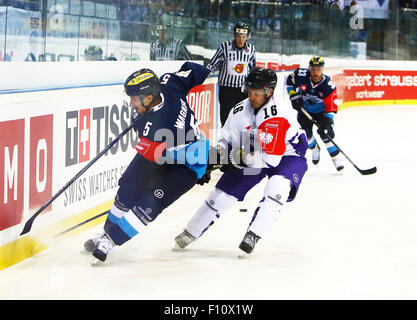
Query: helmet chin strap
[141,102]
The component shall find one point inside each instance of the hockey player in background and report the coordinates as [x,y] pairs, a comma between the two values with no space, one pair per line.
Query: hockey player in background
[316,93]
[270,124]
[166,47]
[169,150]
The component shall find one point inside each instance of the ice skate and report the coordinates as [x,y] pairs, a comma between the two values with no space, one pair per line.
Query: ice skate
[91,244]
[249,241]
[338,163]
[104,246]
[315,154]
[184,239]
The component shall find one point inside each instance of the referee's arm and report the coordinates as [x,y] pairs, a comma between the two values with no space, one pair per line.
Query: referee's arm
[217,60]
[252,61]
[184,53]
[152,51]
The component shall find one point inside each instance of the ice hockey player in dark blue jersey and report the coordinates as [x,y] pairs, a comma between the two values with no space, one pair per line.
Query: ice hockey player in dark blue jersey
[170,150]
[316,93]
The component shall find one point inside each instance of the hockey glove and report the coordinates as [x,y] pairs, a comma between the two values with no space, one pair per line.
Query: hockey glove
[326,124]
[214,159]
[235,161]
[296,97]
[207,176]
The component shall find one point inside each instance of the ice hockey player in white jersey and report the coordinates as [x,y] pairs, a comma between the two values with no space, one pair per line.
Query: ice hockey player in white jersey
[261,138]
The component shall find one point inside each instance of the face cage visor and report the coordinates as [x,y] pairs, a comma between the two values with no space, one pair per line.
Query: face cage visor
[245,88]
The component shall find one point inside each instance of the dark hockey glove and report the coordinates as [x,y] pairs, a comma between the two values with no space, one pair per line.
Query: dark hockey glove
[207,176]
[214,159]
[234,161]
[326,124]
[296,97]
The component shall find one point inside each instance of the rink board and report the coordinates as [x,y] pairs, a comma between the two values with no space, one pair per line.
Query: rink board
[47,138]
[52,134]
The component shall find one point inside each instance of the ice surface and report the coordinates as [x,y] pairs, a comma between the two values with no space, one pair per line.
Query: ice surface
[346,236]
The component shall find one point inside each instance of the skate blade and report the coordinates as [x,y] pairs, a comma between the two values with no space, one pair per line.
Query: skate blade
[96,262]
[244,255]
[177,248]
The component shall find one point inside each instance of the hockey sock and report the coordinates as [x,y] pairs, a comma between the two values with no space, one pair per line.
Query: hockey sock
[115,214]
[331,148]
[276,194]
[217,202]
[126,228]
[312,142]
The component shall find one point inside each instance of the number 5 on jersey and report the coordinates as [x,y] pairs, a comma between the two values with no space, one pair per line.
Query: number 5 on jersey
[147,128]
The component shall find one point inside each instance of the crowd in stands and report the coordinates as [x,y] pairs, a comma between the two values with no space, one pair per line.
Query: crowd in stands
[409,4]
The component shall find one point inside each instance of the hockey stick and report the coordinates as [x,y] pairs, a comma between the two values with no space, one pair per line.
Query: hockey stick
[362,171]
[28,224]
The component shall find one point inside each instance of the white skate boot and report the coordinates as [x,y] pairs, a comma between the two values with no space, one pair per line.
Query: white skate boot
[338,163]
[91,244]
[104,246]
[315,154]
[184,239]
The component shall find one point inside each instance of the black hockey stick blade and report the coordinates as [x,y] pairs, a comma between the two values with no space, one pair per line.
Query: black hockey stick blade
[366,171]
[361,171]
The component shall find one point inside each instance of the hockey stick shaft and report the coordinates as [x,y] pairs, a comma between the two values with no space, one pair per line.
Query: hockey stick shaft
[362,171]
[28,224]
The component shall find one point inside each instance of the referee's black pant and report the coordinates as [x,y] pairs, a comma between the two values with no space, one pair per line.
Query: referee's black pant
[228,98]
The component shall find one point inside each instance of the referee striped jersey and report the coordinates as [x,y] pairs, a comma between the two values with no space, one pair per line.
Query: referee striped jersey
[234,64]
[174,49]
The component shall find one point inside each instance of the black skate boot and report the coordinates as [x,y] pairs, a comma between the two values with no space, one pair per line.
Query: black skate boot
[249,241]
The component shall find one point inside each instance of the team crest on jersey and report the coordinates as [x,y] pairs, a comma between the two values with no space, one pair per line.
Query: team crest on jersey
[266,137]
[239,67]
[303,87]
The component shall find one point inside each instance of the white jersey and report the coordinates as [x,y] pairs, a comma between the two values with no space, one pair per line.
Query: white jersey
[275,125]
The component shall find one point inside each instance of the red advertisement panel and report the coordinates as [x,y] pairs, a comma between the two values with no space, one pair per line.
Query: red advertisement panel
[41,150]
[202,100]
[12,151]
[357,85]
[273,66]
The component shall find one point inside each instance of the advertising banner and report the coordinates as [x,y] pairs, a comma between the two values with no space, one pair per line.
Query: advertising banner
[363,85]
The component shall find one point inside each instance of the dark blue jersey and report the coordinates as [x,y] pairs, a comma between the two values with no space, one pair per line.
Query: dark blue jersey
[318,97]
[171,126]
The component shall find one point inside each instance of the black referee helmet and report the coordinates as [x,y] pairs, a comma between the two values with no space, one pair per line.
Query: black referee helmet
[242,27]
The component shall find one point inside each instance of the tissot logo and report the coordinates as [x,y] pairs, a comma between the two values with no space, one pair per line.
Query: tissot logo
[88,131]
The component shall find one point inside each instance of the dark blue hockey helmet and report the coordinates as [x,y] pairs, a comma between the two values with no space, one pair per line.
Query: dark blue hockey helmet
[143,83]
[316,62]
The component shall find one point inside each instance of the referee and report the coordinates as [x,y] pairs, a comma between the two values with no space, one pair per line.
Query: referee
[234,60]
[167,48]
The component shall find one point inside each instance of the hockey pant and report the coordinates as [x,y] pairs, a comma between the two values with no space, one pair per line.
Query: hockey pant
[307,125]
[145,190]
